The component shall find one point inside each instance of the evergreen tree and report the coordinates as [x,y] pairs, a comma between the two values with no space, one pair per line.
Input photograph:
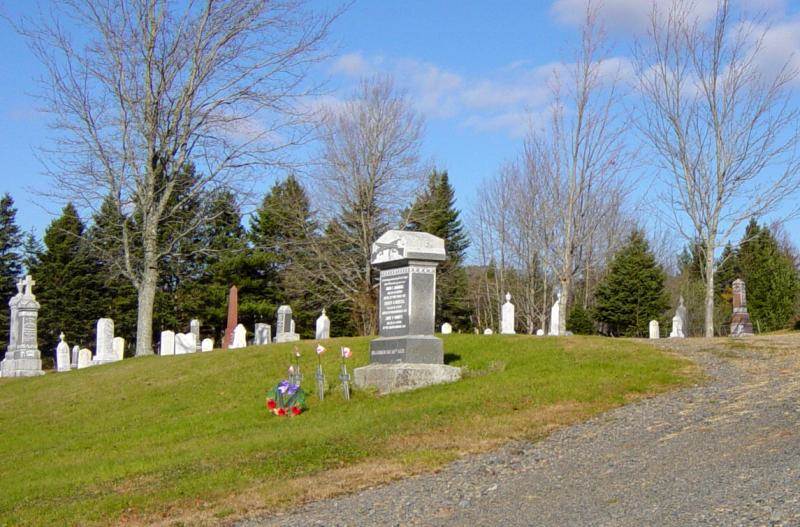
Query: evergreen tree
[633,292]
[434,212]
[32,250]
[770,277]
[579,320]
[70,288]
[10,260]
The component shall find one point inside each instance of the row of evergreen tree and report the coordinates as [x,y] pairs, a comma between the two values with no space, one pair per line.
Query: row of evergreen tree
[75,286]
[634,290]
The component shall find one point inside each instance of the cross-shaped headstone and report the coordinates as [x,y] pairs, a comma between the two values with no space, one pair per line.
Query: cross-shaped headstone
[29,283]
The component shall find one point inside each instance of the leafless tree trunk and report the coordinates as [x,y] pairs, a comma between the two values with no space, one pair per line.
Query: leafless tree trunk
[371,172]
[722,131]
[150,88]
[578,160]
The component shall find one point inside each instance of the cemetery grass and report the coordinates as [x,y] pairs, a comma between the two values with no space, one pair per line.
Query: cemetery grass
[187,440]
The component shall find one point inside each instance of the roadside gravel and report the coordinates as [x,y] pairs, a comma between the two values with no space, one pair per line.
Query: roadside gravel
[723,453]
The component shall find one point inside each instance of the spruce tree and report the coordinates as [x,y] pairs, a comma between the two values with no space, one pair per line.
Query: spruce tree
[69,280]
[579,320]
[770,277]
[434,212]
[10,260]
[633,292]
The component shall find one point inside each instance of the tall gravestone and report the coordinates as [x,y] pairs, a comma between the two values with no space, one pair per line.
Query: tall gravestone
[62,354]
[323,327]
[74,362]
[23,358]
[740,321]
[194,329]
[167,346]
[285,326]
[507,317]
[233,316]
[104,351]
[406,355]
[654,331]
[555,314]
[239,337]
[682,312]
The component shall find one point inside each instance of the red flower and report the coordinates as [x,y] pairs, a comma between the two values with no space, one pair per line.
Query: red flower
[270,404]
[296,410]
[281,411]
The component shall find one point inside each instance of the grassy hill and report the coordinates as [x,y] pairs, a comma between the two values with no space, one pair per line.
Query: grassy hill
[187,438]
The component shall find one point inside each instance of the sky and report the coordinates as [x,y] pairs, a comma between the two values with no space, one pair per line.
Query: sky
[475,70]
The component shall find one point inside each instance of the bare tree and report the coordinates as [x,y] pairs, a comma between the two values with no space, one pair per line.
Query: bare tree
[722,131]
[149,88]
[576,162]
[370,173]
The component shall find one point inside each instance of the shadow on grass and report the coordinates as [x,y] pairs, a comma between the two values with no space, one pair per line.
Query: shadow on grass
[451,357]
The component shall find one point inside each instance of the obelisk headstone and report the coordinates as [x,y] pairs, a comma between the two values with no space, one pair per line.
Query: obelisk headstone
[507,317]
[406,355]
[233,316]
[740,321]
[23,358]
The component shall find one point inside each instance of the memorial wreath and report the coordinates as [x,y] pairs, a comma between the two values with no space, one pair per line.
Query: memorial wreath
[286,399]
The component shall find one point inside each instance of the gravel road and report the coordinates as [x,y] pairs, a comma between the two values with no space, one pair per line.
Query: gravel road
[724,453]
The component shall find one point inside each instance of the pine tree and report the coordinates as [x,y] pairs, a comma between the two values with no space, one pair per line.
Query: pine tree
[434,212]
[633,292]
[70,288]
[770,277]
[10,260]
[579,320]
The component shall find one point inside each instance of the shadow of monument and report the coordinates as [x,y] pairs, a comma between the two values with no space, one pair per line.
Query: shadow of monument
[451,357]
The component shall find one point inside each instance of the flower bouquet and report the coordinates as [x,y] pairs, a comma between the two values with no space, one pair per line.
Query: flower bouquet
[286,399]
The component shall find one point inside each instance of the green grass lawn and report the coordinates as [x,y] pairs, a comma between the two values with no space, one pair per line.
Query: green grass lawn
[187,438]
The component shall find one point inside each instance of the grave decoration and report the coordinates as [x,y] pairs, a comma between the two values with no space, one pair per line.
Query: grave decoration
[320,374]
[344,376]
[286,399]
[295,376]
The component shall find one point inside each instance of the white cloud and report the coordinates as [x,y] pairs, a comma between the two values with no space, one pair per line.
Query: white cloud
[622,15]
[352,65]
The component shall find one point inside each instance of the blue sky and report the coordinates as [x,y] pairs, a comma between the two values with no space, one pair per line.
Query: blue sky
[474,69]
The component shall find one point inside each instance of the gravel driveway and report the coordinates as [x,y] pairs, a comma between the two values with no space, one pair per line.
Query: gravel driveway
[724,453]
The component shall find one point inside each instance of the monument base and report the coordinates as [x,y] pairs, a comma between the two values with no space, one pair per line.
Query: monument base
[392,378]
[741,325]
[416,349]
[21,367]
[286,337]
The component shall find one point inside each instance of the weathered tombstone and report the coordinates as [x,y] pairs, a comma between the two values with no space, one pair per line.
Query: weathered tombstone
[476,331]
[740,321]
[84,358]
[654,331]
[62,354]
[447,328]
[540,333]
[285,326]
[104,351]
[207,345]
[233,316]
[239,337]
[507,317]
[119,348]
[488,331]
[323,327]
[74,362]
[555,313]
[263,334]
[23,358]
[677,328]
[167,343]
[194,329]
[682,312]
[406,355]
[185,343]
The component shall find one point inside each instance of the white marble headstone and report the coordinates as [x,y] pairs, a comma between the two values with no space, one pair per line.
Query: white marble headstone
[507,317]
[105,342]
[540,333]
[488,331]
[207,345]
[555,314]
[75,350]
[185,343]
[119,348]
[447,328]
[323,327]
[167,343]
[654,331]
[239,337]
[84,358]
[62,354]
[262,334]
[677,328]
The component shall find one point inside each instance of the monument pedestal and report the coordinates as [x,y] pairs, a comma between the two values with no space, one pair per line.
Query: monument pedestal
[19,365]
[402,377]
